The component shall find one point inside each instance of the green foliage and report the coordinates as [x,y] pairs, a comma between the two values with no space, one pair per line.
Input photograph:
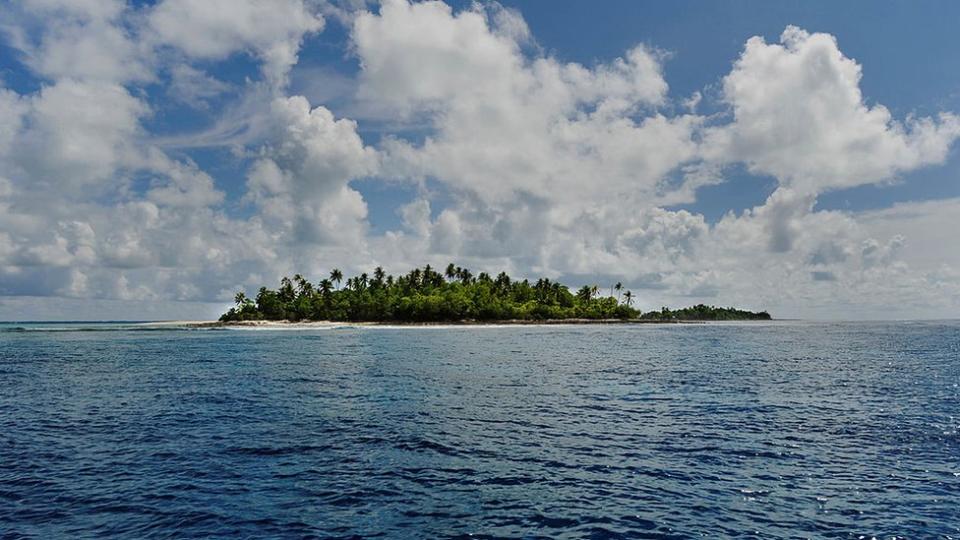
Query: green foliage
[425,295]
[701,312]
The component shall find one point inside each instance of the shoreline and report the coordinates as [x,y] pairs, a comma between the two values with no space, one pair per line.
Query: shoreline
[466,322]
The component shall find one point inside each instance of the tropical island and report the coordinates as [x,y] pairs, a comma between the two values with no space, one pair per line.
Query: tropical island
[425,295]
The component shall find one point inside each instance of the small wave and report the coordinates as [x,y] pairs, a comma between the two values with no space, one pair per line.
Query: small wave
[553,522]
[428,445]
[277,450]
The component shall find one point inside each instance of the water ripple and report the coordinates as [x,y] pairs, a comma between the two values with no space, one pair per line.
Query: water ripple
[742,431]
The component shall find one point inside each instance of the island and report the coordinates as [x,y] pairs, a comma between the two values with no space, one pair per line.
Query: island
[425,295]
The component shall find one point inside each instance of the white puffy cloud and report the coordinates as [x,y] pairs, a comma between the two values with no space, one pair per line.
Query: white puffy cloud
[299,182]
[78,133]
[420,55]
[425,56]
[214,29]
[181,184]
[799,115]
[550,161]
[82,39]
[83,139]
[504,124]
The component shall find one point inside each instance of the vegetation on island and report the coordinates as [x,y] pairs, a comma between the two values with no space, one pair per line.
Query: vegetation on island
[426,295]
[702,312]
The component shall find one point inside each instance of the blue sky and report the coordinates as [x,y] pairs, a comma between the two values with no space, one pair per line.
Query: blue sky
[813,175]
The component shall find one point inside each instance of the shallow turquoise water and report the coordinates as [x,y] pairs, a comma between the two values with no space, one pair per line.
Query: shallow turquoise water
[783,430]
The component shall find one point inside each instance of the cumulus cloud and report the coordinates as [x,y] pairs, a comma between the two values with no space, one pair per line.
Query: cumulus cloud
[299,182]
[799,115]
[551,161]
[76,134]
[214,29]
[506,125]
[77,39]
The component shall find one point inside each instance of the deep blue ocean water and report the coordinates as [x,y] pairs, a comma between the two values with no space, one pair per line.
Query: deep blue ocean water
[782,430]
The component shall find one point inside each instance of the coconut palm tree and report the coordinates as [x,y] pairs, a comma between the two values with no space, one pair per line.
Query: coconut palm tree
[628,298]
[503,281]
[325,287]
[304,287]
[451,272]
[584,294]
[336,276]
[617,287]
[286,291]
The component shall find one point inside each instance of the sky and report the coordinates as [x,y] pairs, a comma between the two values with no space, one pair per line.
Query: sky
[798,157]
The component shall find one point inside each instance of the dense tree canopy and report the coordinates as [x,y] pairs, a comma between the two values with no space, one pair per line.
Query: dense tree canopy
[701,312]
[425,295]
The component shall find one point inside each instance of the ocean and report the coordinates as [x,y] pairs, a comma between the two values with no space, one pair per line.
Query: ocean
[758,430]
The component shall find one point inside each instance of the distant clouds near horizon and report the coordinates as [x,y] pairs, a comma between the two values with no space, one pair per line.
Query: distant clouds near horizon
[156,158]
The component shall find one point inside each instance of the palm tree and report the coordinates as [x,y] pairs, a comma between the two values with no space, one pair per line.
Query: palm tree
[451,272]
[628,298]
[503,281]
[378,275]
[286,291]
[594,291]
[240,299]
[325,287]
[584,294]
[336,276]
[304,288]
[617,287]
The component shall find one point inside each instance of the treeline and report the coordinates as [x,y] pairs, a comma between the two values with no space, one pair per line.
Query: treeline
[425,295]
[702,312]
